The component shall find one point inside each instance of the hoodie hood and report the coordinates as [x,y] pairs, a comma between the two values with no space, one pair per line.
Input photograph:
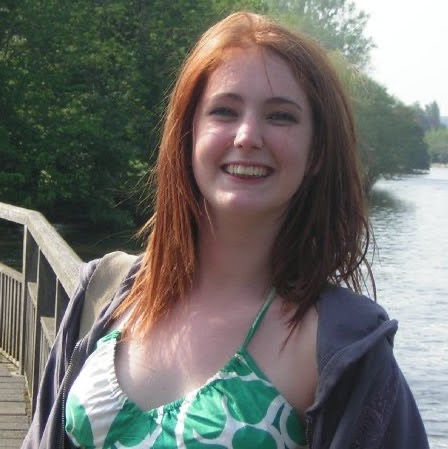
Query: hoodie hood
[349,326]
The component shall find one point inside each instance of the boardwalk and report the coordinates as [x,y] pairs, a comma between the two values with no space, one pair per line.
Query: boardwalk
[13,418]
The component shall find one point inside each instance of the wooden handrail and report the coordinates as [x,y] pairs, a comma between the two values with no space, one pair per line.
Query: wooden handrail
[33,302]
[61,257]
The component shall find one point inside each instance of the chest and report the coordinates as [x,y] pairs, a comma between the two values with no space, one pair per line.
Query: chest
[181,354]
[238,407]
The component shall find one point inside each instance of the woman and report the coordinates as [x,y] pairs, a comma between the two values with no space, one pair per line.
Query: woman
[233,329]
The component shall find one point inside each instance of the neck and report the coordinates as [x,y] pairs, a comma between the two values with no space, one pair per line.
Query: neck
[234,258]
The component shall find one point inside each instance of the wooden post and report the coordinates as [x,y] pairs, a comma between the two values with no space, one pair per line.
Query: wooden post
[26,271]
[2,310]
[62,300]
[45,307]
[30,264]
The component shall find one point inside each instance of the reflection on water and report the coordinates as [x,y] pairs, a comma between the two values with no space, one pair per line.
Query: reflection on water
[410,221]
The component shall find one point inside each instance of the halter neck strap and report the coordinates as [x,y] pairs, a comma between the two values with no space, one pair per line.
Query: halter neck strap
[259,318]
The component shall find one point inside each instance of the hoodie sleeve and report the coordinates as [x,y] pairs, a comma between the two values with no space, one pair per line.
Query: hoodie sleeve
[48,406]
[405,429]
[389,417]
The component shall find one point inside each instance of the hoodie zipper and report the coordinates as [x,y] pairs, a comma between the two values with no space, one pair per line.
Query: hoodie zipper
[64,389]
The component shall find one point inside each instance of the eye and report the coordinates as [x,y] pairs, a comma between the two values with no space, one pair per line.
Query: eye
[223,111]
[282,117]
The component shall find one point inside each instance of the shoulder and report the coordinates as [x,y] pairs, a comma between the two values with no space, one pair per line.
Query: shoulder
[108,268]
[349,320]
[337,301]
[109,281]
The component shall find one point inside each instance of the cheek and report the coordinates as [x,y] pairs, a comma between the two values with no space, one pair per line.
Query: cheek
[211,141]
[293,148]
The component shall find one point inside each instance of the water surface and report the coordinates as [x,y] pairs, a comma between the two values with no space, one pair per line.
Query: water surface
[410,221]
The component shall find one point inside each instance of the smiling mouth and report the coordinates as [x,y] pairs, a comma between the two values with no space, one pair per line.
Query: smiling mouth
[254,171]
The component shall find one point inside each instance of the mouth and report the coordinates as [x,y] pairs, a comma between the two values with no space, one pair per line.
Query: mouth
[247,171]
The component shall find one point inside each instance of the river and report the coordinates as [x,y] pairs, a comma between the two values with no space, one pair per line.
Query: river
[410,221]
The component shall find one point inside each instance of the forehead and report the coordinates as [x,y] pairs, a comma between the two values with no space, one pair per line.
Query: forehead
[254,70]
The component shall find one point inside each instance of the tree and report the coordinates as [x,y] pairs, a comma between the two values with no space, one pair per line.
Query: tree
[429,116]
[433,114]
[336,24]
[390,137]
[84,87]
[437,140]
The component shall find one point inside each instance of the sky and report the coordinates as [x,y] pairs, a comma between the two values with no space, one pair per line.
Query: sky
[411,54]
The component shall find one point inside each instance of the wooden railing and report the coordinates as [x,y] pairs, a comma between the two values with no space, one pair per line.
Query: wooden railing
[33,302]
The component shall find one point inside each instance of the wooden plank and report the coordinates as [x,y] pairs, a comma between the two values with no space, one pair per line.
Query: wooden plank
[32,292]
[12,444]
[18,427]
[10,272]
[23,427]
[4,371]
[49,328]
[12,408]
[12,383]
[5,363]
[13,386]
[61,257]
[11,379]
[14,422]
[7,373]
[12,434]
[12,396]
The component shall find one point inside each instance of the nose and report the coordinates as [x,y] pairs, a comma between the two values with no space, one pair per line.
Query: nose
[249,134]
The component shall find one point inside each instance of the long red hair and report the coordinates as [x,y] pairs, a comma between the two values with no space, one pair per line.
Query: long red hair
[325,235]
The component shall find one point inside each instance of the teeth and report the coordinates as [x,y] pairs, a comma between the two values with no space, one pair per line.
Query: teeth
[245,170]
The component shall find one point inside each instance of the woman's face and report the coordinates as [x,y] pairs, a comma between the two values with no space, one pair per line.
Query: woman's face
[252,132]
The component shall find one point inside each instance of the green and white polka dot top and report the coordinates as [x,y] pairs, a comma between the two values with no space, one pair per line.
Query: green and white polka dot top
[236,408]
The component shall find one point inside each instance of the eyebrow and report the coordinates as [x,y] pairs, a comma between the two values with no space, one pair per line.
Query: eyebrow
[277,100]
[269,101]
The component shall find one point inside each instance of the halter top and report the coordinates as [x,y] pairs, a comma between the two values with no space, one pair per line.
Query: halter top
[236,408]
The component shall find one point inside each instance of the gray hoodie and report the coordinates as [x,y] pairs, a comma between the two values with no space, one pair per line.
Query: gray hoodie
[362,399]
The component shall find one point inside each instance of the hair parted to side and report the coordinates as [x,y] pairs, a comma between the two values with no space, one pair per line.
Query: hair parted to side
[325,234]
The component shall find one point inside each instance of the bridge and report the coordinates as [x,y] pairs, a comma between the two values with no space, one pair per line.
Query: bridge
[32,303]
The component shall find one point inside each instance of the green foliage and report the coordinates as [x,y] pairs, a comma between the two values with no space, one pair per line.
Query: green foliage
[429,116]
[336,24]
[437,140]
[390,137]
[84,85]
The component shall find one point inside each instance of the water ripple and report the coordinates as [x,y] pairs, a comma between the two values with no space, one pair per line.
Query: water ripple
[410,222]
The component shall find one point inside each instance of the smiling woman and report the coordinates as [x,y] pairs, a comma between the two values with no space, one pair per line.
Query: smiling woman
[235,328]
